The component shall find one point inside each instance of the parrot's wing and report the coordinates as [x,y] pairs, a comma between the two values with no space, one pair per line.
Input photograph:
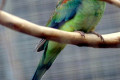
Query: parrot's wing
[65,11]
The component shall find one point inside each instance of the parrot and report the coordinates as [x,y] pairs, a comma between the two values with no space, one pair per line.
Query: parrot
[71,16]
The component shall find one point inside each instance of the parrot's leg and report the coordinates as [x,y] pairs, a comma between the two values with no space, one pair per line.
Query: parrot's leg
[81,32]
[97,35]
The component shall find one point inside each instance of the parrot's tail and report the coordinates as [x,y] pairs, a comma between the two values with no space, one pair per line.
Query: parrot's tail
[42,68]
[47,59]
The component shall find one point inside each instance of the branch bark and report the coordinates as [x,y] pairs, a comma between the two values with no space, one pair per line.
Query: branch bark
[91,40]
[113,2]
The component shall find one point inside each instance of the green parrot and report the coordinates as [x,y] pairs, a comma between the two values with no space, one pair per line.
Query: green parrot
[69,15]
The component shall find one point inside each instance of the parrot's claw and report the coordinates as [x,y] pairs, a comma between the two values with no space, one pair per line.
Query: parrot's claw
[82,33]
[98,35]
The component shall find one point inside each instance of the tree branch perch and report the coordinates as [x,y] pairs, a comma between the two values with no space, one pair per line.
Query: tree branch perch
[113,2]
[91,40]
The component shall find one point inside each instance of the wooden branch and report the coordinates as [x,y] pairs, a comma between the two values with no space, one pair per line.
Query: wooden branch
[113,2]
[91,40]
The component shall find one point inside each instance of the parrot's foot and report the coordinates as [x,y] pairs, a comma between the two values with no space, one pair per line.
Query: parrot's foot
[98,35]
[82,33]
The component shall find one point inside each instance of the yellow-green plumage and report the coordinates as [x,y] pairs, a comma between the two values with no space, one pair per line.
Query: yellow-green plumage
[69,15]
[87,17]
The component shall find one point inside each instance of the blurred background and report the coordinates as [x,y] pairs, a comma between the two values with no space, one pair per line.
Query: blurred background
[18,59]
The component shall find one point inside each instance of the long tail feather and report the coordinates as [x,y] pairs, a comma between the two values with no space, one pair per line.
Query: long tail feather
[40,71]
[48,58]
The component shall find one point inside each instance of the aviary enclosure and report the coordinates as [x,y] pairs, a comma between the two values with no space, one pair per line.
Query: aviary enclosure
[18,58]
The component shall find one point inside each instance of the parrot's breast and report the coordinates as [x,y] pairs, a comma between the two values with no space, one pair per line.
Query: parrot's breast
[87,16]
